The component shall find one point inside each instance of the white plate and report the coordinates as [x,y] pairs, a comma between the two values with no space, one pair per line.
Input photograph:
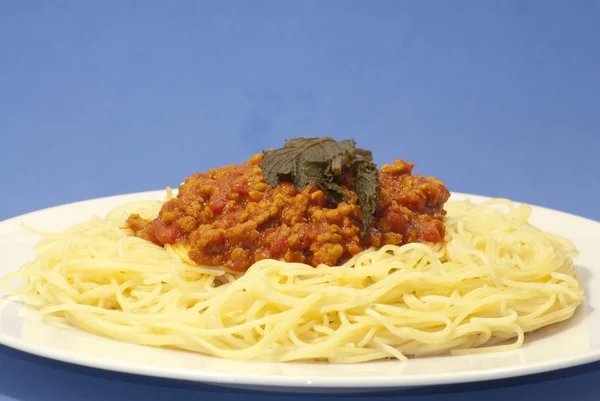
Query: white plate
[574,342]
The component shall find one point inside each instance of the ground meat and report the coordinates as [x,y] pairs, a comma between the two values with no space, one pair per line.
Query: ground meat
[230,216]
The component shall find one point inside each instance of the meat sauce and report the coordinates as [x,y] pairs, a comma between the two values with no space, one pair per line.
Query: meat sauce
[231,217]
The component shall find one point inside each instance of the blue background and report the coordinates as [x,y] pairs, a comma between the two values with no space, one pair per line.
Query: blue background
[498,98]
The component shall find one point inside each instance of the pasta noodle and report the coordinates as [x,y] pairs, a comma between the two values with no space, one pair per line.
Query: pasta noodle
[494,278]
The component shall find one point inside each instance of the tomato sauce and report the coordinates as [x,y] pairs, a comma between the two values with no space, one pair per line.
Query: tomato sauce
[231,217]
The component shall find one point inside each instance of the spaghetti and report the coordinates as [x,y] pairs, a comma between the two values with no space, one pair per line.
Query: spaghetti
[493,278]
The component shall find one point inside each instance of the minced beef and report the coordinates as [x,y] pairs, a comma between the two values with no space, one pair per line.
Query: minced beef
[231,217]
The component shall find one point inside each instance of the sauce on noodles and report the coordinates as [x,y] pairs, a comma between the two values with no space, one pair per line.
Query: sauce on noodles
[231,217]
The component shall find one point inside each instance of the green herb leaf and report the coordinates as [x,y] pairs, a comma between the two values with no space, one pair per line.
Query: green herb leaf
[320,173]
[285,163]
[322,162]
[365,179]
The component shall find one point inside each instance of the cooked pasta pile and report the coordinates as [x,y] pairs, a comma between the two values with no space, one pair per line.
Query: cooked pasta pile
[494,278]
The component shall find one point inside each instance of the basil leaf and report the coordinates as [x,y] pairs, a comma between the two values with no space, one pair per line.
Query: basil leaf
[320,173]
[365,178]
[321,162]
[284,163]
